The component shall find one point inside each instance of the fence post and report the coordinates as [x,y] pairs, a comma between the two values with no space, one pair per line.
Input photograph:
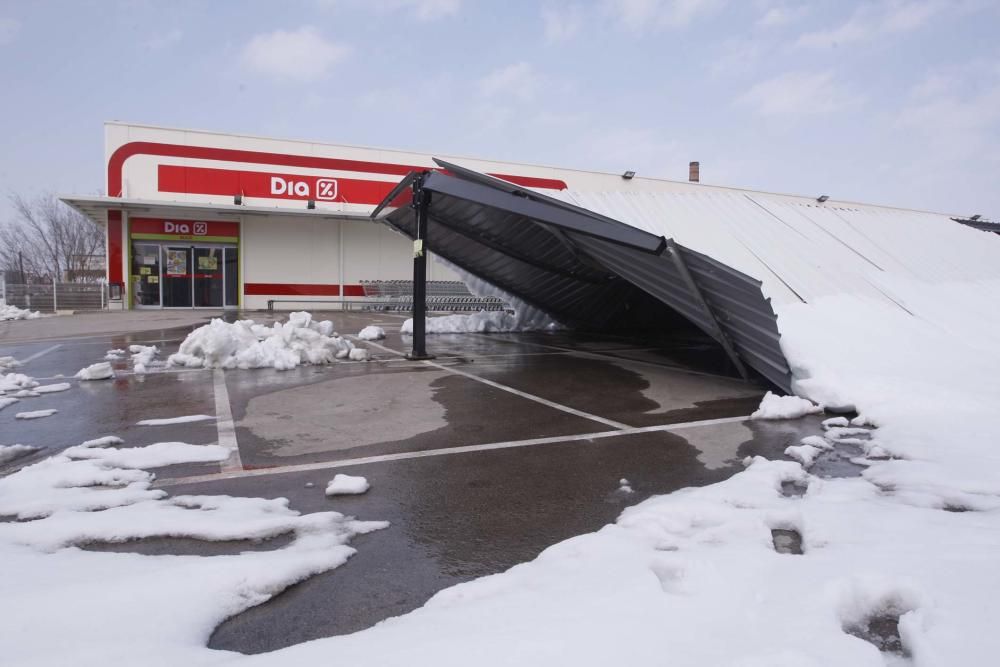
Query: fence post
[55,302]
[3,288]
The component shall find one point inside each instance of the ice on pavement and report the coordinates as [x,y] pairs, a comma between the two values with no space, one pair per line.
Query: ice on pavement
[246,344]
[346,485]
[371,332]
[36,414]
[151,456]
[99,371]
[52,388]
[10,312]
[7,400]
[174,420]
[10,452]
[774,406]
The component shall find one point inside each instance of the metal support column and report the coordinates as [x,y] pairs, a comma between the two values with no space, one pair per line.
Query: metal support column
[421,201]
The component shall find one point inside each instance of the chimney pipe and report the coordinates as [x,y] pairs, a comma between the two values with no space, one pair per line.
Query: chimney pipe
[694,172]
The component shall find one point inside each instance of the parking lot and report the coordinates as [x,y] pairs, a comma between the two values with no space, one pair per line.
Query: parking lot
[502,445]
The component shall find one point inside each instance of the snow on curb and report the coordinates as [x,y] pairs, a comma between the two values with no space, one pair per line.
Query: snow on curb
[9,313]
[346,485]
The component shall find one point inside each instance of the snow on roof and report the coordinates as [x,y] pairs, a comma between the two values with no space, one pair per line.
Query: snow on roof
[803,251]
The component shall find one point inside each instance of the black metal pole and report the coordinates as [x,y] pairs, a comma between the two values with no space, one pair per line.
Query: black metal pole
[421,200]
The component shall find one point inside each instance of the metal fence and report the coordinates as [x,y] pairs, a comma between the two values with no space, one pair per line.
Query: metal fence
[50,297]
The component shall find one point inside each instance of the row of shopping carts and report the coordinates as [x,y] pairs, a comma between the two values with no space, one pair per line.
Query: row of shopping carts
[443,295]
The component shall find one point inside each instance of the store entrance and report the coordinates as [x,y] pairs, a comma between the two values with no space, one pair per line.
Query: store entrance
[175,275]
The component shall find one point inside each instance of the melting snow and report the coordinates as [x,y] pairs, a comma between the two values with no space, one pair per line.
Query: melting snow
[245,344]
[346,485]
[174,420]
[10,452]
[371,332]
[36,414]
[8,313]
[784,407]
[99,371]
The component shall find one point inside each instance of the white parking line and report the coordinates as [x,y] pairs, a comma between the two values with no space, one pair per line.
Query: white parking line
[511,390]
[224,423]
[42,353]
[444,451]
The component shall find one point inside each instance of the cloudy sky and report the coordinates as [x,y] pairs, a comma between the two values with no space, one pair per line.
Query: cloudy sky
[888,101]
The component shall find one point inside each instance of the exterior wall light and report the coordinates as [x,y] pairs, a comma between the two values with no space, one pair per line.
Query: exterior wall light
[822,198]
[628,175]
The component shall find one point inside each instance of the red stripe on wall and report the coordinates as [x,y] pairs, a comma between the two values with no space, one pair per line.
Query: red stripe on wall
[115,247]
[298,289]
[116,163]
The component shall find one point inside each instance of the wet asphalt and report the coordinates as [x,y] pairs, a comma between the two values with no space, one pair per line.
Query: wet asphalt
[454,517]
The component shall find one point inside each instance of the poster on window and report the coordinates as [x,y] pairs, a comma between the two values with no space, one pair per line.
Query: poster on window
[177,262]
[209,263]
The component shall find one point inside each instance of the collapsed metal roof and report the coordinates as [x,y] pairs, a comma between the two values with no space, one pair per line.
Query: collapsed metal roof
[588,269]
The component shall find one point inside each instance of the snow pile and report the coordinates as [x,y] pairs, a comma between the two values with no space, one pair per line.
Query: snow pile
[371,332]
[8,313]
[784,407]
[346,485]
[14,382]
[7,400]
[99,371]
[114,355]
[7,363]
[245,344]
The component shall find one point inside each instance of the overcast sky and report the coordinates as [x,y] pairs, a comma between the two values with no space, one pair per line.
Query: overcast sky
[891,101]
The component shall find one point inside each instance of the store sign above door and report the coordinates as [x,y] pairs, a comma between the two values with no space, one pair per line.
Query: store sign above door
[157,229]
[228,182]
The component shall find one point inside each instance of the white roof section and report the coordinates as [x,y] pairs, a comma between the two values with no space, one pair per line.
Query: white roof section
[804,251]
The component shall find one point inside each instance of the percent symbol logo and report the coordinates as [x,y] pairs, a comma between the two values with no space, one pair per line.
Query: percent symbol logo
[326,188]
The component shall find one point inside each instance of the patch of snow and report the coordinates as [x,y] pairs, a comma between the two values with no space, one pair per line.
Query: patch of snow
[52,388]
[624,486]
[16,382]
[25,393]
[245,344]
[359,354]
[804,454]
[99,371]
[104,441]
[817,441]
[10,452]
[773,406]
[6,363]
[834,421]
[150,456]
[346,485]
[371,332]
[142,357]
[481,322]
[36,414]
[174,420]
[114,355]
[7,400]
[8,313]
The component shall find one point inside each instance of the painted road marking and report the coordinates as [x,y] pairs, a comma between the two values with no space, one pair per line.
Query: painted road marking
[42,353]
[444,451]
[511,390]
[224,423]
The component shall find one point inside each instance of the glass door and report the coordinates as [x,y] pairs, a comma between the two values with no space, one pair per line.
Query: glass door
[145,274]
[177,277]
[231,271]
[208,280]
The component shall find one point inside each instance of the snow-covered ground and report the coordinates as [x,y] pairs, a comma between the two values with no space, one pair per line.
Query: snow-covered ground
[689,578]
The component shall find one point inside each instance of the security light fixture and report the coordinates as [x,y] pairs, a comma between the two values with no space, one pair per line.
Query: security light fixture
[238,199]
[975,217]
[310,204]
[822,198]
[628,175]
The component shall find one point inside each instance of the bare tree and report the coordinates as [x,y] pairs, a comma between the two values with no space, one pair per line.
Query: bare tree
[49,240]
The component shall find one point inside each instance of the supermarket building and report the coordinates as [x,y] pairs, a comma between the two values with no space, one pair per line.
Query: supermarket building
[207,220]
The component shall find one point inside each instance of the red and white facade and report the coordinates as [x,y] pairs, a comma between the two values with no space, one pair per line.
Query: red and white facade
[174,225]
[205,219]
